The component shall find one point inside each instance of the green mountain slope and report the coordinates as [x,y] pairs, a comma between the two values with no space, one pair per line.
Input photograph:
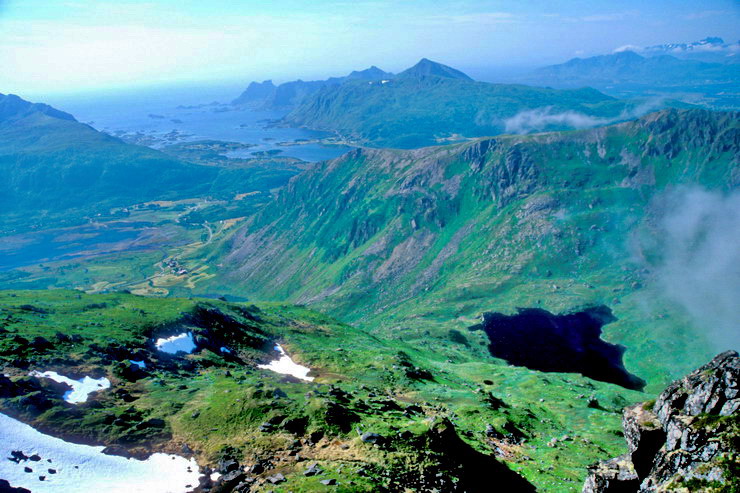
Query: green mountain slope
[56,170]
[431,238]
[431,102]
[218,406]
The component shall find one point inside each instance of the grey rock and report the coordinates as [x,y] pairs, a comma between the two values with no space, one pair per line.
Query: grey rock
[276,478]
[313,470]
[684,435]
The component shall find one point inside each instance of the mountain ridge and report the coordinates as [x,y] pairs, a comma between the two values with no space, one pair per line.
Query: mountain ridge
[13,106]
[389,238]
[266,95]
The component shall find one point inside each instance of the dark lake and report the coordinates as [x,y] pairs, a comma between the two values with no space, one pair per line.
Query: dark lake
[568,343]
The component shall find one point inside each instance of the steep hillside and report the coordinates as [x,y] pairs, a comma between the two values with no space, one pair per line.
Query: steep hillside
[427,240]
[431,103]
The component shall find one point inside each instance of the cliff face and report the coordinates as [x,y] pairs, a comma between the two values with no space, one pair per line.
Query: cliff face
[464,218]
[686,441]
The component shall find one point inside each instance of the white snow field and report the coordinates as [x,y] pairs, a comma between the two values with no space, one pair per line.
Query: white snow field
[83,468]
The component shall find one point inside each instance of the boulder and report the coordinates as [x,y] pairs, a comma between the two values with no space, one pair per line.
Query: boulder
[313,470]
[372,438]
[685,440]
[276,478]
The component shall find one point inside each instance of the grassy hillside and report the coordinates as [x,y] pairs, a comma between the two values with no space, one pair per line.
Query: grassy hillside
[409,248]
[416,108]
[432,428]
[416,243]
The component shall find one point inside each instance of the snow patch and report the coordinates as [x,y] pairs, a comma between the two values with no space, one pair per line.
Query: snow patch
[177,343]
[287,366]
[82,468]
[80,388]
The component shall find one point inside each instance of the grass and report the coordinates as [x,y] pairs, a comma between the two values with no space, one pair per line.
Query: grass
[211,410]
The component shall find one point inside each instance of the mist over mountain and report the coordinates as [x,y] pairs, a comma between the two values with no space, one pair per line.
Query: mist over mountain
[699,231]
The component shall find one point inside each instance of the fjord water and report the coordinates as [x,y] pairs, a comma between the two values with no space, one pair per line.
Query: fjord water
[62,244]
[195,113]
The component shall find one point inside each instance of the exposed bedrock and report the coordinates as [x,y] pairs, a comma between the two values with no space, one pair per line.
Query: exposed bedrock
[568,343]
[687,440]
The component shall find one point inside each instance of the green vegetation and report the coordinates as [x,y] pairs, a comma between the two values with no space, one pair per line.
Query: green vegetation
[413,244]
[59,172]
[215,403]
[407,247]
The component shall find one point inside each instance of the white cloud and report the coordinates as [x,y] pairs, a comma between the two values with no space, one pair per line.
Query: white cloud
[634,48]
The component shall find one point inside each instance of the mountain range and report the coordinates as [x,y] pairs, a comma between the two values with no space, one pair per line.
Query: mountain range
[431,103]
[266,95]
[709,49]
[628,67]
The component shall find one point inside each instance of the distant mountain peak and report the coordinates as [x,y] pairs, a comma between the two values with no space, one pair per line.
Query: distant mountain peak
[255,92]
[371,73]
[12,106]
[427,67]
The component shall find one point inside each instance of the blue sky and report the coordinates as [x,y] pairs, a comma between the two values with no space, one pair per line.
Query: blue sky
[71,45]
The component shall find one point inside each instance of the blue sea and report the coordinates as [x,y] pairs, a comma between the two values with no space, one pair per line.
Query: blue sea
[193,113]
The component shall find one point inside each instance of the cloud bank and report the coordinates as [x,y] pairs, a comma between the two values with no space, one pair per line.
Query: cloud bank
[699,259]
[546,118]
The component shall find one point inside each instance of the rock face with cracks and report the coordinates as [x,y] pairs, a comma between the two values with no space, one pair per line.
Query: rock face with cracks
[686,441]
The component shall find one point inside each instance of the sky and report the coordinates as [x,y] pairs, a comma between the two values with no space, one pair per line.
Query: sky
[50,46]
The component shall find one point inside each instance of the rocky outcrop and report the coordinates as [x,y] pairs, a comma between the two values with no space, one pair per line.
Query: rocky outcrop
[686,441]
